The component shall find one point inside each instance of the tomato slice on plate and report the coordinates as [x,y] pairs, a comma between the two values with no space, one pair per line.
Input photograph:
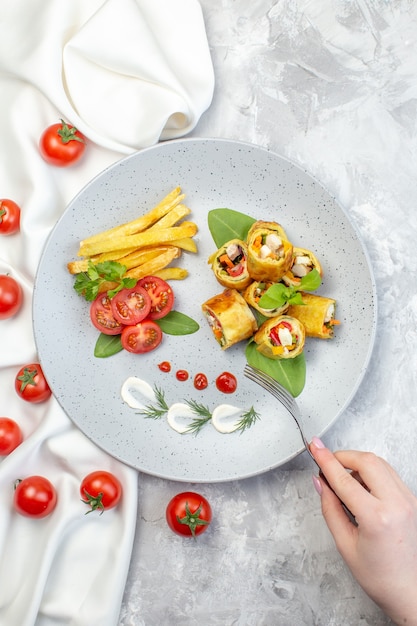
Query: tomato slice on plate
[101,315]
[161,295]
[142,337]
[131,306]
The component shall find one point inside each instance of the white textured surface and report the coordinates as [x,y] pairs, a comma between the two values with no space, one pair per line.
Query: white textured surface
[332,85]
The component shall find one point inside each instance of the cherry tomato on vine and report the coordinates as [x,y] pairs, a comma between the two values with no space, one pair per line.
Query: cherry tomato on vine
[34,496]
[11,296]
[31,384]
[161,294]
[62,144]
[101,490]
[10,435]
[188,513]
[142,337]
[9,217]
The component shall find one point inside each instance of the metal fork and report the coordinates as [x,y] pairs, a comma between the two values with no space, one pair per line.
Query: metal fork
[288,401]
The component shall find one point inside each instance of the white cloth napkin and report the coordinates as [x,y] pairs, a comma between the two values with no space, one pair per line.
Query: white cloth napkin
[127,73]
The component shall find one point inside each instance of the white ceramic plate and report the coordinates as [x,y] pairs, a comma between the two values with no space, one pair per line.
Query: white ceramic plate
[212,173]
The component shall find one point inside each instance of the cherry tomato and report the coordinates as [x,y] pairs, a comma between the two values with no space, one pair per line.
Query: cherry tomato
[131,306]
[188,513]
[226,382]
[61,144]
[101,490]
[142,337]
[9,217]
[31,385]
[10,435]
[200,381]
[34,496]
[101,315]
[11,296]
[161,294]
[182,375]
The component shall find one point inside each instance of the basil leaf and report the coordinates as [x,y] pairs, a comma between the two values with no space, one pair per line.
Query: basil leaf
[107,345]
[296,298]
[227,224]
[311,281]
[275,296]
[290,373]
[176,323]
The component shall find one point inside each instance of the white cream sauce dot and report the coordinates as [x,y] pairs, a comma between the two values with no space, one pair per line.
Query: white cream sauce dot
[180,416]
[226,418]
[137,392]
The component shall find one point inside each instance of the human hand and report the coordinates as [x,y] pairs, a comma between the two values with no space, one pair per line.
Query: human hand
[381,551]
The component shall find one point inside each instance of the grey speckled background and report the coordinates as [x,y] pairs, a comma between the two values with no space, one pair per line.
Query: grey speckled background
[333,86]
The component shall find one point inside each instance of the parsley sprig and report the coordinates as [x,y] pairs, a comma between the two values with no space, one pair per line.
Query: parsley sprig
[279,294]
[87,284]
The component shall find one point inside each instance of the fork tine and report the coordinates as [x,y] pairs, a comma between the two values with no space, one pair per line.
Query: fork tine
[281,394]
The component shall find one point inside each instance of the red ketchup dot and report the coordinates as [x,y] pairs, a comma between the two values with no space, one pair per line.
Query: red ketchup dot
[165,366]
[200,381]
[182,375]
[226,383]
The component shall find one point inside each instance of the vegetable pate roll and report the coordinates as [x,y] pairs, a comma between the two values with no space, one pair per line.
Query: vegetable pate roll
[269,251]
[229,264]
[280,337]
[317,314]
[253,294]
[303,261]
[229,317]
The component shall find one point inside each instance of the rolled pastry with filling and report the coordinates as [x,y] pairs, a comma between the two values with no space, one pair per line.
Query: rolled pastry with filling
[254,293]
[317,315]
[269,251]
[280,337]
[229,264]
[303,261]
[229,317]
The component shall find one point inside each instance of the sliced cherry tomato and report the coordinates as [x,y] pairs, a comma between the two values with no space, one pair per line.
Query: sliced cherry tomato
[101,490]
[62,144]
[142,337]
[31,385]
[9,217]
[34,496]
[131,306]
[161,294]
[188,513]
[11,296]
[101,314]
[10,435]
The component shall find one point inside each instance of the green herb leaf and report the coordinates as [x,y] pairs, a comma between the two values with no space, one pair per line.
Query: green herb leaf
[176,323]
[156,412]
[279,294]
[107,345]
[87,284]
[310,282]
[247,420]
[227,224]
[290,373]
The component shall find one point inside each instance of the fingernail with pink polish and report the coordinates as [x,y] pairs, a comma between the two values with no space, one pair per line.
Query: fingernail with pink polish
[317,442]
[317,485]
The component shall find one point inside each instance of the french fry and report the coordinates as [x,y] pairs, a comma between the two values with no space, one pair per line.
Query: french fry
[186,243]
[153,265]
[142,222]
[176,214]
[144,239]
[172,273]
